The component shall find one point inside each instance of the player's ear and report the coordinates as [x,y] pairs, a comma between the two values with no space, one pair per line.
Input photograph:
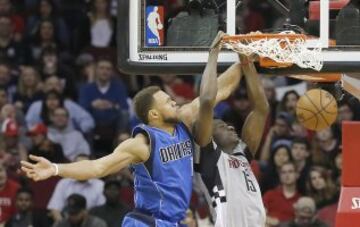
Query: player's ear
[153,114]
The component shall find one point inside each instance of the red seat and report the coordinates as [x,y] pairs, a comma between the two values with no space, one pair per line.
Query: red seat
[314,7]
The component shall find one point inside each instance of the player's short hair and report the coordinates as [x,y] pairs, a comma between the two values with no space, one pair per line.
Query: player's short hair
[143,102]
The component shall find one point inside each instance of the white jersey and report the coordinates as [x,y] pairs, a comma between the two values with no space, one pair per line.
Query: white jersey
[232,186]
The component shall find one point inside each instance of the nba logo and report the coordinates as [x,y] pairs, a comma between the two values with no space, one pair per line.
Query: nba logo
[154,26]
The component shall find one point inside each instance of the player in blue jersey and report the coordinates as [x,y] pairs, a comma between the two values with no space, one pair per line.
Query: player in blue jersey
[160,150]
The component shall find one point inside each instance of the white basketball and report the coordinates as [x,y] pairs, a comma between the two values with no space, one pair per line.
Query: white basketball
[160,26]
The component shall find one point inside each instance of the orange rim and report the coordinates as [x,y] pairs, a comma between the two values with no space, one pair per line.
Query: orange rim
[255,36]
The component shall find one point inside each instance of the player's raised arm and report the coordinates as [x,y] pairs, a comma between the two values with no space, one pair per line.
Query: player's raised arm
[253,128]
[202,129]
[227,82]
[130,151]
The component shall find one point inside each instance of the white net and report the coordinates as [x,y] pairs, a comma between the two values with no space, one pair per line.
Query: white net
[281,50]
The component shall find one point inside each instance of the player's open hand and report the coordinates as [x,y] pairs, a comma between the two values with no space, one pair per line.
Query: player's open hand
[216,44]
[41,170]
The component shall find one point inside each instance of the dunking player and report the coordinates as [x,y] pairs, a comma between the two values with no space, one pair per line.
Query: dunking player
[160,151]
[225,162]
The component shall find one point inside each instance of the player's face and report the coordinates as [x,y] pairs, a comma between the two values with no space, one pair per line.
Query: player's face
[224,134]
[299,152]
[281,156]
[317,181]
[165,108]
[23,201]
[288,174]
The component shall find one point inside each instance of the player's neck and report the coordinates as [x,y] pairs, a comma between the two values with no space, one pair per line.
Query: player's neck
[168,127]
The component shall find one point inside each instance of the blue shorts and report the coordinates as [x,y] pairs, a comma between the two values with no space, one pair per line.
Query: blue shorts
[137,219]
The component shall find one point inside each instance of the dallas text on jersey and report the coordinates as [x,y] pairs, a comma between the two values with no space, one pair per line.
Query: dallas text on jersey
[176,151]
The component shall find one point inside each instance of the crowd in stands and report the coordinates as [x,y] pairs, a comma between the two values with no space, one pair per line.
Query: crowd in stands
[62,97]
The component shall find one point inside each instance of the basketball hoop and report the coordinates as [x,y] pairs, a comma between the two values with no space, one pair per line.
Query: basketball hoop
[276,50]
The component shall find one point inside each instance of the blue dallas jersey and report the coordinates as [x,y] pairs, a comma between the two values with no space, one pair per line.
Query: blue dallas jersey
[163,184]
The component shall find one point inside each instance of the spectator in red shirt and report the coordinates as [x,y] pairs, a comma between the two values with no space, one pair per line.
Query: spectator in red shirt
[279,201]
[6,8]
[8,189]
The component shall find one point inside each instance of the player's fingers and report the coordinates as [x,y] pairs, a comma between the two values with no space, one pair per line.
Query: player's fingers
[35,158]
[27,170]
[27,164]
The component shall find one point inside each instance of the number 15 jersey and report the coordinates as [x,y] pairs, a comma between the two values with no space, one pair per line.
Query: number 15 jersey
[232,187]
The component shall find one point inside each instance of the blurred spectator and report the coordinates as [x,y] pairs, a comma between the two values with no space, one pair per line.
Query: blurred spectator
[279,201]
[321,187]
[12,150]
[44,147]
[178,89]
[326,147]
[50,65]
[300,151]
[346,112]
[279,133]
[305,214]
[9,111]
[77,214]
[288,102]
[53,83]
[92,190]
[28,89]
[46,10]
[86,68]
[7,80]
[240,109]
[45,37]
[25,215]
[3,95]
[279,156]
[114,210]
[336,173]
[106,100]
[98,29]
[6,8]
[8,189]
[41,111]
[11,51]
[72,141]
[270,92]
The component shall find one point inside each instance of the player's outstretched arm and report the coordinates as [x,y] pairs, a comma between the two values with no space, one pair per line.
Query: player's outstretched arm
[130,151]
[227,82]
[202,127]
[253,128]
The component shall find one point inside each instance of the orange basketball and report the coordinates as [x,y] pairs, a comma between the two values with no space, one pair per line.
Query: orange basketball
[316,109]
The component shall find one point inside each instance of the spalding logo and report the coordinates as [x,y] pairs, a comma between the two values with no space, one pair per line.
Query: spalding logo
[355,203]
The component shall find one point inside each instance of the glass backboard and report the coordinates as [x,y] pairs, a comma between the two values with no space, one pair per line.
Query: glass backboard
[173,36]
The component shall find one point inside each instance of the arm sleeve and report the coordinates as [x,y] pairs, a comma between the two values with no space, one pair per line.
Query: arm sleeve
[209,157]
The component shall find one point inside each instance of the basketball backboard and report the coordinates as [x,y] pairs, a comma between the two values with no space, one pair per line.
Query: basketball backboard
[173,36]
